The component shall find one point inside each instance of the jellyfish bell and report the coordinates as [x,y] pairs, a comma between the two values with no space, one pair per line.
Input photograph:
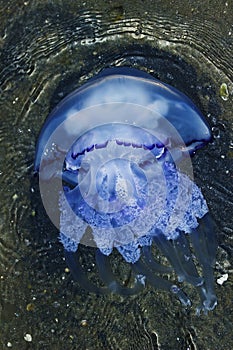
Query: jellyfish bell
[127,86]
[114,156]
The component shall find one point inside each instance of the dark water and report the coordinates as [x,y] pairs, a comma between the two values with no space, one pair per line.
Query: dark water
[49,48]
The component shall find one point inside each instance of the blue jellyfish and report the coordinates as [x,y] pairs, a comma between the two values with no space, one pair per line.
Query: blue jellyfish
[115,173]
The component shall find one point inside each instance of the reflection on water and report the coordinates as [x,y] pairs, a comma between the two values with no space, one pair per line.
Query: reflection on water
[47,50]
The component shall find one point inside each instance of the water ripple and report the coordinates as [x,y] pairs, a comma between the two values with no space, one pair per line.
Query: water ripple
[47,51]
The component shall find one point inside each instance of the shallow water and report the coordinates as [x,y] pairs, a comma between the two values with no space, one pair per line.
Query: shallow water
[47,50]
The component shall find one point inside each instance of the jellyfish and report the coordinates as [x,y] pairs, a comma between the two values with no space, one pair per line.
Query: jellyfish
[115,173]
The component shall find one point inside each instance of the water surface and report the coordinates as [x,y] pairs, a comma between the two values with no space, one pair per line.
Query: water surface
[49,48]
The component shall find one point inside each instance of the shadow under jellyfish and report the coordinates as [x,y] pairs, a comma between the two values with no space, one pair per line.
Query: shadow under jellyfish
[114,161]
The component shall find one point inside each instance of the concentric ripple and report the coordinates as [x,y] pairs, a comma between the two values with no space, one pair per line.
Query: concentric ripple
[47,50]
